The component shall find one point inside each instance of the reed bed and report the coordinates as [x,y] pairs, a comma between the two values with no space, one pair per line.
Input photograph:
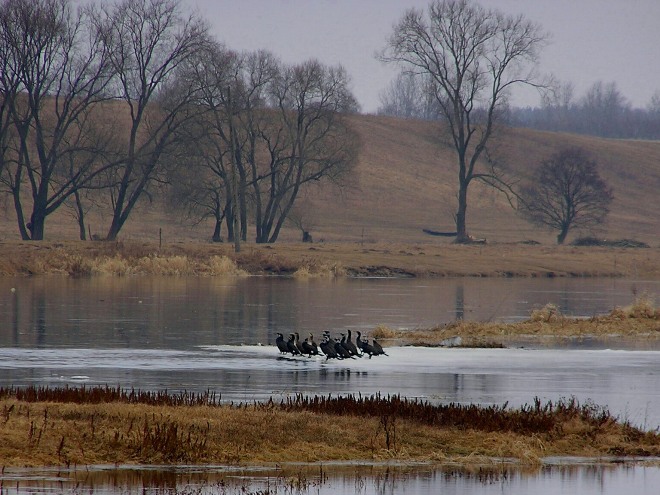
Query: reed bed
[107,394]
[90,425]
[639,321]
[535,418]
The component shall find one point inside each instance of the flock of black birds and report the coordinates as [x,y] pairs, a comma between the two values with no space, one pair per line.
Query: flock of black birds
[332,348]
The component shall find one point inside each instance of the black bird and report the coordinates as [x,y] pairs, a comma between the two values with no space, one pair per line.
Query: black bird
[379,348]
[341,350]
[350,345]
[359,342]
[281,344]
[364,346]
[291,345]
[310,346]
[343,343]
[298,345]
[328,349]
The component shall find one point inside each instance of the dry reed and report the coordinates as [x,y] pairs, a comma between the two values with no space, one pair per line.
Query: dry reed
[40,425]
[78,258]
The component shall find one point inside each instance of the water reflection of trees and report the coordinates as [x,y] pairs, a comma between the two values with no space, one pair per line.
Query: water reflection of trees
[185,312]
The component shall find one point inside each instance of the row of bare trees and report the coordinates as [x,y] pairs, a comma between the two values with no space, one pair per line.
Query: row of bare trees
[602,110]
[99,106]
[266,130]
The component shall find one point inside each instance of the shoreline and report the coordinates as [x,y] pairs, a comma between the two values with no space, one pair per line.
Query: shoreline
[330,260]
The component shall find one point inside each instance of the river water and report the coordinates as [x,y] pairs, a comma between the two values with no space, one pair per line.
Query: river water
[198,334]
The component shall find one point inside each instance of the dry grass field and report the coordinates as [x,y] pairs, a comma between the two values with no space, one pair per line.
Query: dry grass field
[405,181]
[335,259]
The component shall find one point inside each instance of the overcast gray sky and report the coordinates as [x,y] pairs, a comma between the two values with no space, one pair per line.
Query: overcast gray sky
[591,40]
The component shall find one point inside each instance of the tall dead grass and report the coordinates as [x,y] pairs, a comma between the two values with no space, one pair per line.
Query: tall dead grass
[640,320]
[107,425]
[642,307]
[317,268]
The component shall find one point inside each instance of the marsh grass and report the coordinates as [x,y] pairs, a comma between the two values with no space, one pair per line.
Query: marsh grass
[549,313]
[316,268]
[65,426]
[642,307]
[640,321]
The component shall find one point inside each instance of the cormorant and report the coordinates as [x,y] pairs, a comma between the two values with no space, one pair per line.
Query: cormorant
[359,342]
[281,344]
[341,350]
[298,345]
[351,346]
[310,346]
[379,348]
[291,345]
[328,348]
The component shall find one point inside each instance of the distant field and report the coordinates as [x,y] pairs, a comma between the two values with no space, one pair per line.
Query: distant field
[405,182]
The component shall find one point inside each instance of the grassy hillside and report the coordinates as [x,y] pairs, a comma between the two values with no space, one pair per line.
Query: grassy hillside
[405,181]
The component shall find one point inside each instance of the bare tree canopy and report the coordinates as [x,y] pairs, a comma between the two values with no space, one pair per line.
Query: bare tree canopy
[54,72]
[263,131]
[310,139]
[408,96]
[149,41]
[472,57]
[567,192]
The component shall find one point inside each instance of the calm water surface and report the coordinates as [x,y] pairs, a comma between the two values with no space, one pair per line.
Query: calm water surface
[182,313]
[203,333]
[584,478]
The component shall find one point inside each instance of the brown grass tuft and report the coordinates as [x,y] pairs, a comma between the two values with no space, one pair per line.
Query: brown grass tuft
[642,307]
[317,268]
[549,314]
[384,332]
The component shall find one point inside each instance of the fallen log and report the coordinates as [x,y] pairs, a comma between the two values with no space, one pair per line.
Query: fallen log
[441,234]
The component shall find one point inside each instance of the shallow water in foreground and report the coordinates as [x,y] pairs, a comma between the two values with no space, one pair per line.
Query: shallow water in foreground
[624,381]
[186,334]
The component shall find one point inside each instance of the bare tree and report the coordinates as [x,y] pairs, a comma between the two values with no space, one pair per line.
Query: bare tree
[567,192]
[264,130]
[149,41]
[307,140]
[473,57]
[603,108]
[10,84]
[57,67]
[409,96]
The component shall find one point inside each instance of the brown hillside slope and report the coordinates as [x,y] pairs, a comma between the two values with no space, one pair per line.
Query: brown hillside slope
[405,181]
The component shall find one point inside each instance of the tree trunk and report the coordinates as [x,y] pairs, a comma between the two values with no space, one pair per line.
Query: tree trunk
[461,214]
[115,227]
[22,228]
[37,225]
[562,235]
[80,215]
[216,231]
[229,218]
